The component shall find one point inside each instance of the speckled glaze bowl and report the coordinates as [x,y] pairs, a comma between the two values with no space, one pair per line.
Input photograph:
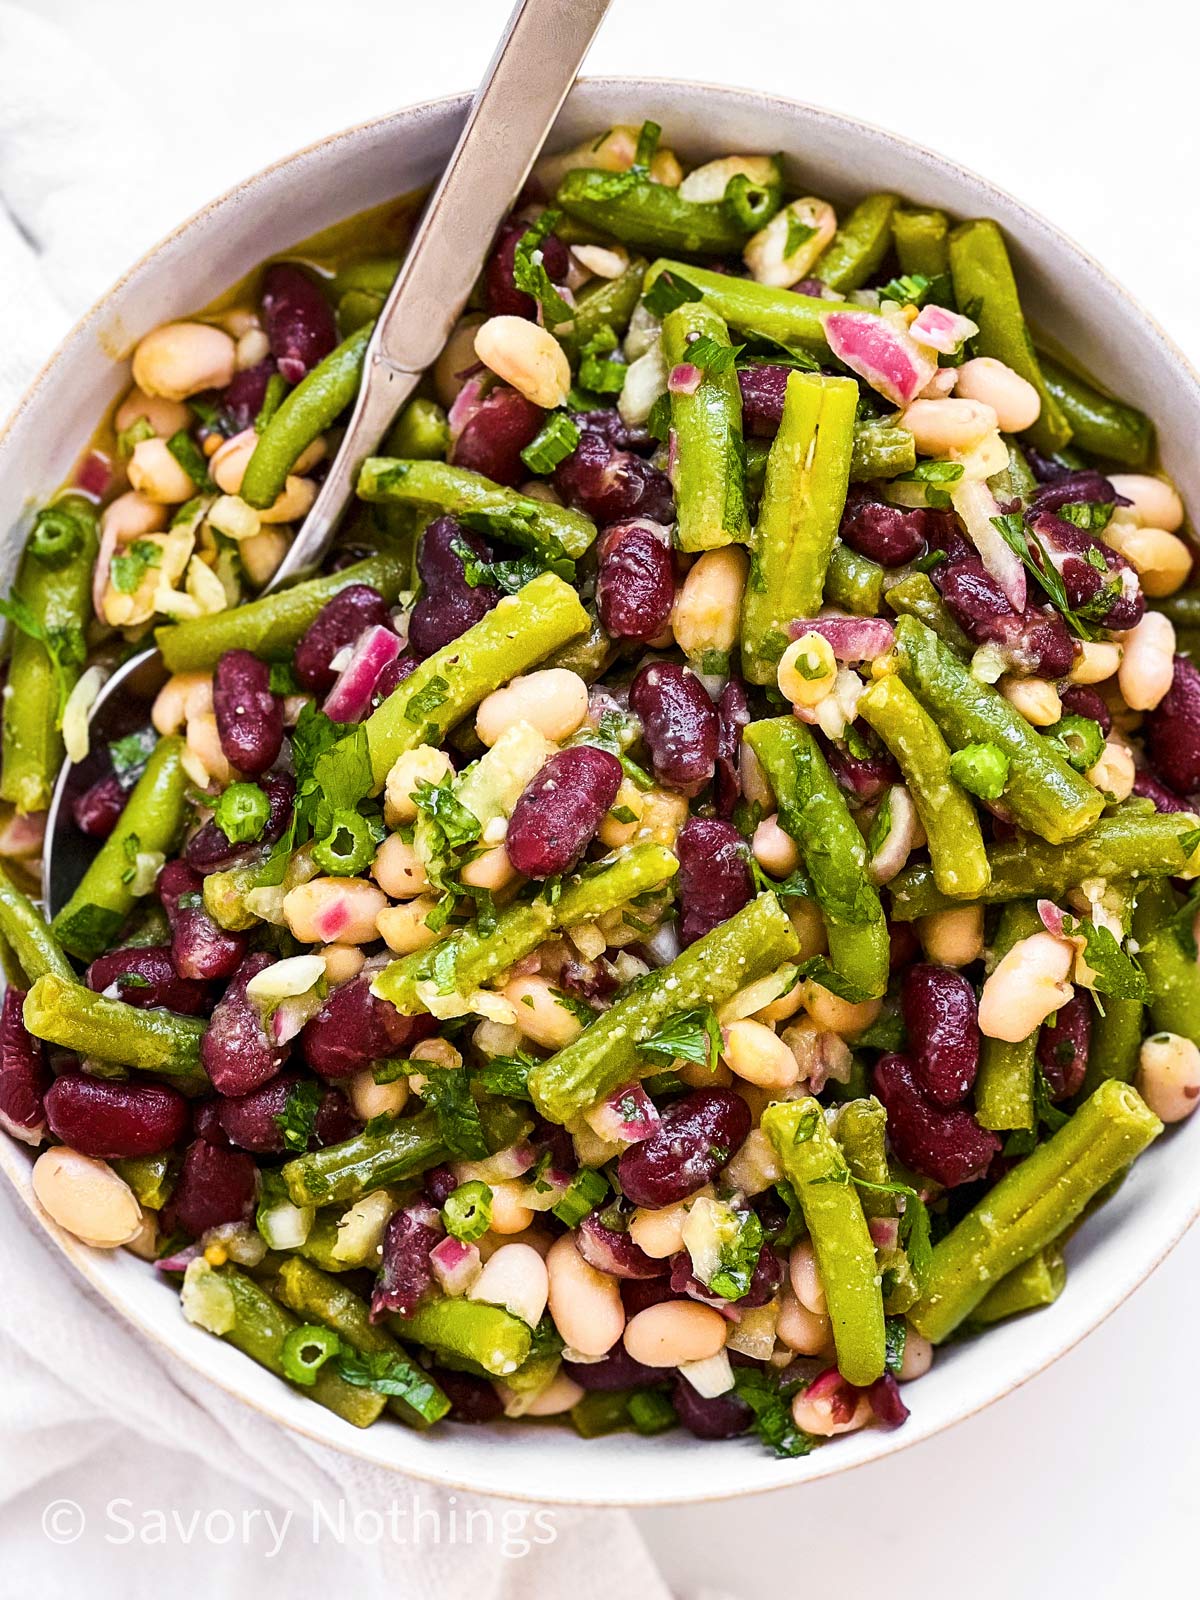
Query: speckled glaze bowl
[1067,294]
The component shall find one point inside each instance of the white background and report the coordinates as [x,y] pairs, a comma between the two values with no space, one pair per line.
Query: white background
[1084,1483]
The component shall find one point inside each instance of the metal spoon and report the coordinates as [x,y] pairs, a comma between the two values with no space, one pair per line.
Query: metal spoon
[522,92]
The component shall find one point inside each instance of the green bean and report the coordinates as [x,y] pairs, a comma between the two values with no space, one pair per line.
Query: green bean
[861,1132]
[1171,970]
[591,654]
[318,1298]
[1004,1082]
[915,596]
[521,630]
[802,502]
[1032,1204]
[833,1212]
[779,315]
[753,942]
[231,1305]
[151,823]
[1035,1283]
[74,1017]
[922,241]
[859,247]
[813,810]
[273,626]
[420,433]
[355,309]
[468,1330]
[1100,425]
[709,475]
[1044,793]
[1015,481]
[853,582]
[150,1177]
[521,927]
[321,1242]
[53,587]
[374,275]
[342,1173]
[986,292]
[652,216]
[606,303]
[312,406]
[881,450]
[1182,609]
[1127,843]
[26,931]
[1116,1043]
[537,525]
[956,852]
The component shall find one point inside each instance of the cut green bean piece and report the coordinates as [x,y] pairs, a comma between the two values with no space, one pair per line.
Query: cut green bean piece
[986,291]
[881,450]
[468,1330]
[150,1177]
[1035,1283]
[374,275]
[833,1212]
[1116,1042]
[860,245]
[813,810]
[420,433]
[605,303]
[228,1303]
[778,315]
[273,626]
[709,475]
[316,1297]
[1044,793]
[853,582]
[150,825]
[312,406]
[652,216]
[537,525]
[755,941]
[521,630]
[591,654]
[861,1130]
[28,934]
[70,1015]
[956,850]
[922,241]
[915,596]
[802,502]
[1182,609]
[479,958]
[1171,970]
[1103,427]
[1032,1204]
[1128,843]
[1005,1079]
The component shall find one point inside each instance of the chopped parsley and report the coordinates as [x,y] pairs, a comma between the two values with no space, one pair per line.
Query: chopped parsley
[298,1119]
[669,291]
[687,1036]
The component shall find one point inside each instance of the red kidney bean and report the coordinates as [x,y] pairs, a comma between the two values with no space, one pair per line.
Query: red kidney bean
[235,1051]
[392,676]
[948,1146]
[501,295]
[200,948]
[1114,598]
[242,398]
[1062,1048]
[215,1186]
[209,850]
[635,579]
[1034,641]
[594,981]
[471,1399]
[864,778]
[733,714]
[249,716]
[940,1019]
[206,1123]
[638,1293]
[764,1281]
[697,1136]
[611,485]
[714,875]
[1147,787]
[1081,701]
[610,1251]
[115,1121]
[903,945]
[1070,488]
[610,425]
[679,722]
[1173,730]
[298,318]
[944,532]
[406,1275]
[339,623]
[23,1075]
[888,534]
[763,390]
[354,1028]
[560,809]
[97,810]
[721,1416]
[252,1121]
[617,1370]
[495,434]
[449,605]
[440,1184]
[145,976]
[884,1395]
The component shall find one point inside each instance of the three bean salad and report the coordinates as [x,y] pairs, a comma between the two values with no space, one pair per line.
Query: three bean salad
[691,909]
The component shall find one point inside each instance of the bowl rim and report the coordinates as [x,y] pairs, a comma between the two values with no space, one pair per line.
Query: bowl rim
[438,1467]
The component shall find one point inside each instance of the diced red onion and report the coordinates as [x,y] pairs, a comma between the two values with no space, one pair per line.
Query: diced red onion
[627,1116]
[613,1252]
[880,351]
[455,1265]
[850,638]
[180,1261]
[942,330]
[350,698]
[468,400]
[884,1395]
[94,475]
[1052,918]
[885,1232]
[684,378]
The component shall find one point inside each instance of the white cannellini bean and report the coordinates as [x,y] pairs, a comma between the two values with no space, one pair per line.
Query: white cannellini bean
[815,1415]
[86,1197]
[1035,698]
[205,750]
[832,1014]
[182,358]
[1097,661]
[164,416]
[527,357]
[754,1166]
[457,357]
[342,962]
[584,1303]
[659,1230]
[540,1013]
[404,928]
[425,764]
[775,851]
[515,1277]
[645,382]
[1156,502]
[184,695]
[766,253]
[1161,560]
[1168,1076]
[252,347]
[398,869]
[603,261]
[510,1214]
[802,1330]
[952,938]
[805,1278]
[708,606]
[917,1358]
[674,1331]
[1015,401]
[708,183]
[942,427]
[1028,985]
[227,465]
[554,701]
[756,1053]
[328,909]
[262,552]
[807,670]
[370,1099]
[1147,662]
[1114,773]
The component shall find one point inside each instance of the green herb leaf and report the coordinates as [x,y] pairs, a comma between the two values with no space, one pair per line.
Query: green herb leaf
[507,1076]
[127,571]
[909,289]
[511,575]
[191,458]
[798,233]
[687,1036]
[896,1337]
[881,827]
[1117,973]
[65,645]
[298,1118]
[448,1091]
[426,701]
[530,275]
[711,356]
[130,754]
[738,1259]
[395,1375]
[770,1399]
[1093,516]
[668,291]
[456,825]
[1023,542]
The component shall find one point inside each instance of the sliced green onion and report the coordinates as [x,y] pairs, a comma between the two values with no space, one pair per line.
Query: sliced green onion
[348,847]
[1080,740]
[588,1188]
[57,535]
[468,1211]
[306,1350]
[241,813]
[553,442]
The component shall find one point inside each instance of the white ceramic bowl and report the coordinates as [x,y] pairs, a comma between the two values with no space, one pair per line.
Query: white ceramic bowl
[1066,292]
